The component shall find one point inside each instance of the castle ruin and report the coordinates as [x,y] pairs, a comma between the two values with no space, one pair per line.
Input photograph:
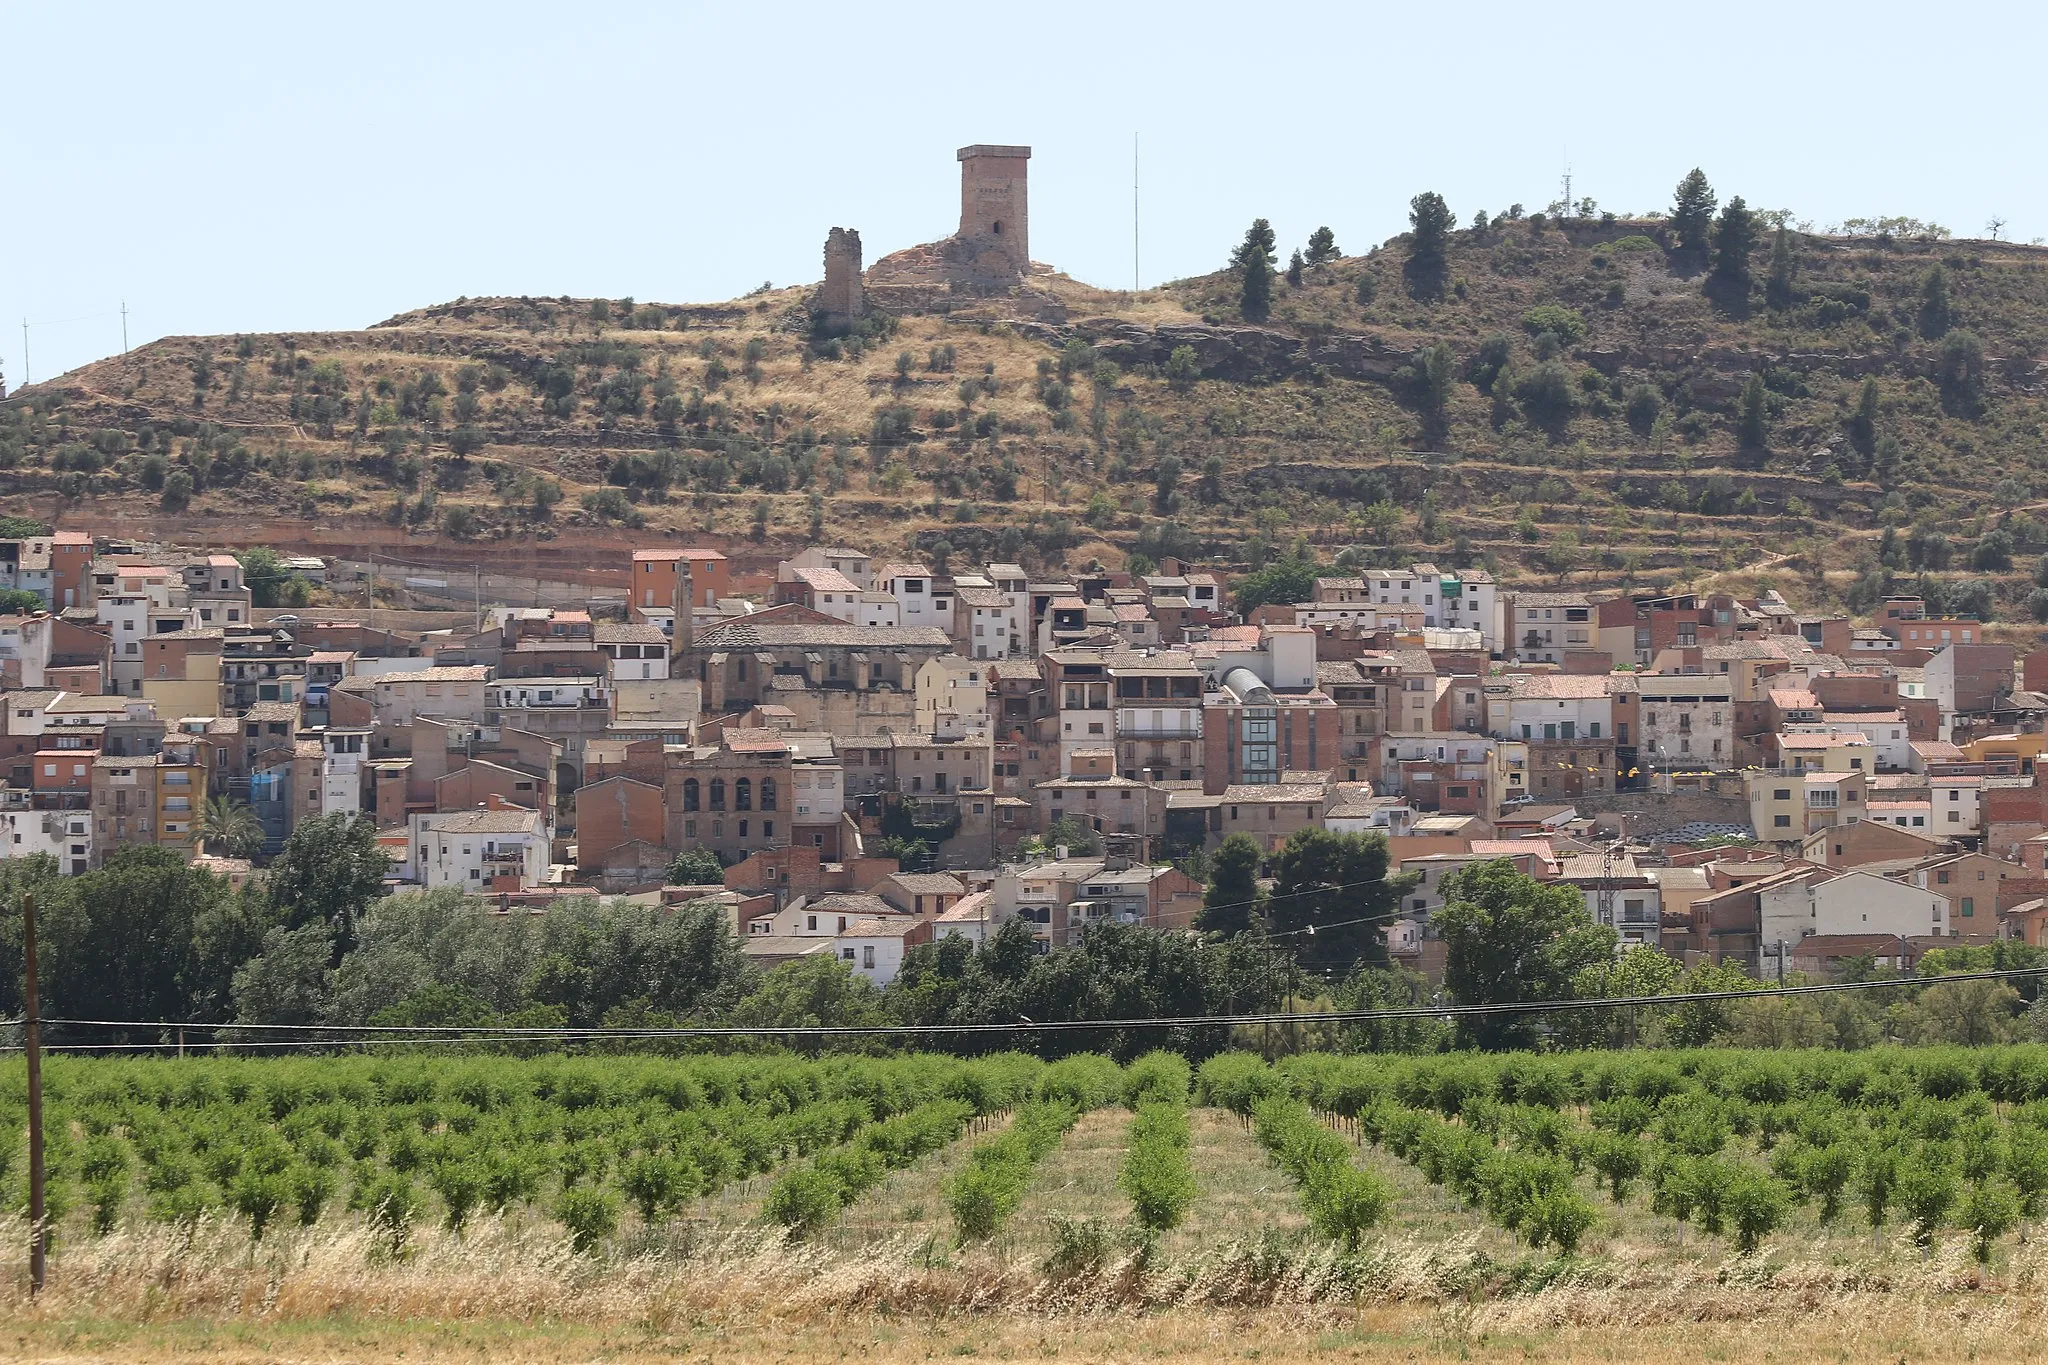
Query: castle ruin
[840,300]
[988,258]
[995,211]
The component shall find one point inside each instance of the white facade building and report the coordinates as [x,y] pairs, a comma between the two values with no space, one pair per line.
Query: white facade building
[471,850]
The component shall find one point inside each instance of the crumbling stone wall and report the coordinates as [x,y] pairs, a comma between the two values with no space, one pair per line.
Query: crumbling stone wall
[841,296]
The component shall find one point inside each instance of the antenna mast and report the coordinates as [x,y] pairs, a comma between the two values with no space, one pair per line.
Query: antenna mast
[1134,214]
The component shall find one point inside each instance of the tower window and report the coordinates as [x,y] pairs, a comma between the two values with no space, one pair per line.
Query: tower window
[999,227]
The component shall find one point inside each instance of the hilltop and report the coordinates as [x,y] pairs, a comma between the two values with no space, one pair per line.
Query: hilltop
[1585,420]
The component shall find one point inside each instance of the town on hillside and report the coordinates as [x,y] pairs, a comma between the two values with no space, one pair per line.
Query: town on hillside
[862,754]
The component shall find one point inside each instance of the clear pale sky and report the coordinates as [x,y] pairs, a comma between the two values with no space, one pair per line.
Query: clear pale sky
[282,166]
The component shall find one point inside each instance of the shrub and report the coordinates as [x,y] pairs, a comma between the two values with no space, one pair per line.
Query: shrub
[1341,1200]
[1157,1076]
[804,1200]
[1755,1205]
[1157,1174]
[984,1195]
[591,1214]
[1565,324]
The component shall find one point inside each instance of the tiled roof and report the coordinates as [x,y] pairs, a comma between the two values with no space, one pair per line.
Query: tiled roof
[894,927]
[1558,686]
[929,884]
[615,634]
[483,822]
[858,904]
[1255,793]
[437,674]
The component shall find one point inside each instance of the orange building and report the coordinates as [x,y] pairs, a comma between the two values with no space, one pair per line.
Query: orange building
[70,569]
[655,573]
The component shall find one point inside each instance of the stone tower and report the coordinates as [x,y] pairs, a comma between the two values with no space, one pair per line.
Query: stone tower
[841,296]
[994,213]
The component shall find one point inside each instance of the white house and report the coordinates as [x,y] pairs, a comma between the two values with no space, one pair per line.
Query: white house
[919,599]
[1957,807]
[1863,903]
[973,917]
[874,948]
[341,769]
[495,848]
[857,567]
[541,693]
[638,651]
[63,835]
[1886,731]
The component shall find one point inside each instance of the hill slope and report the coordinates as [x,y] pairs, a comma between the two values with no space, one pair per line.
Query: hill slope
[1589,419]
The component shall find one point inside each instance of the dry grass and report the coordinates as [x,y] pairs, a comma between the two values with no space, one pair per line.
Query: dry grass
[512,1290]
[1240,1282]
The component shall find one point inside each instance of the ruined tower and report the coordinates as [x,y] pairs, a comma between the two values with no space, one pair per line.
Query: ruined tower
[841,296]
[994,214]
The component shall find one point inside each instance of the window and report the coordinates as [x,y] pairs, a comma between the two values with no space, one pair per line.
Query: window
[743,794]
[867,956]
[767,793]
[718,793]
[690,793]
[1969,906]
[1781,821]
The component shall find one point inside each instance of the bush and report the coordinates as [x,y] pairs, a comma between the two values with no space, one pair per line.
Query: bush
[590,1213]
[1157,1076]
[1755,1204]
[805,1199]
[1157,1174]
[984,1195]
[1565,324]
[1341,1200]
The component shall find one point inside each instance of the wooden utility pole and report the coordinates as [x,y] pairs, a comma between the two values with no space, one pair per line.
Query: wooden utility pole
[38,1234]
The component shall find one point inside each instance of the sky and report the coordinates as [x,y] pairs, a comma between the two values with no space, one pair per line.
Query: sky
[254,168]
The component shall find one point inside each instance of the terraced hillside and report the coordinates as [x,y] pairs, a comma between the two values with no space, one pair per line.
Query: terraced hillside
[1590,413]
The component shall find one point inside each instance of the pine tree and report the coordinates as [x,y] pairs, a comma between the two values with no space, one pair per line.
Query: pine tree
[1692,214]
[1253,259]
[1322,247]
[1752,424]
[1778,289]
[1294,268]
[1431,222]
[1259,240]
[1734,239]
[1863,425]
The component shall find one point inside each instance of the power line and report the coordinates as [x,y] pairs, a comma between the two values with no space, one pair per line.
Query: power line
[342,1035]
